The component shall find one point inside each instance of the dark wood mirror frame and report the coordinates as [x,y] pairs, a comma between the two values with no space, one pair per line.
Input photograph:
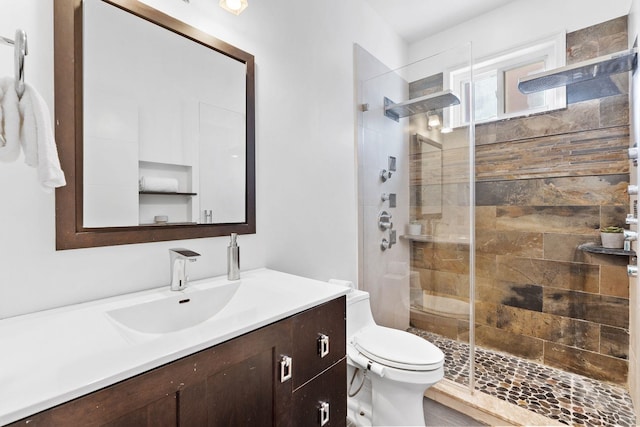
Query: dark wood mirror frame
[70,232]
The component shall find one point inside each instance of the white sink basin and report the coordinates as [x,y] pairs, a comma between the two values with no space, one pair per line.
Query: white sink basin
[175,310]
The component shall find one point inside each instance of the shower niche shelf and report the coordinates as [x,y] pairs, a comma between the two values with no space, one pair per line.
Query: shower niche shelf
[423,104]
[165,193]
[597,249]
[431,239]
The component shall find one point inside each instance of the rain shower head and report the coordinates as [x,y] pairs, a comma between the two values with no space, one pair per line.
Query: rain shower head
[602,66]
[423,104]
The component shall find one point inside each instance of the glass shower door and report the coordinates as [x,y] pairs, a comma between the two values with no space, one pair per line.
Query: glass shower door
[416,200]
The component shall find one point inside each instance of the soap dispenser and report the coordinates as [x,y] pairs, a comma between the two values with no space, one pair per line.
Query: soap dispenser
[233,259]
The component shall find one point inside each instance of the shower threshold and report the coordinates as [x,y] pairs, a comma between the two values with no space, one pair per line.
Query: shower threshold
[563,397]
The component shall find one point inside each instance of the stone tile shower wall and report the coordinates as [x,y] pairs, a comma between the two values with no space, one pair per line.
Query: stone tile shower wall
[544,185]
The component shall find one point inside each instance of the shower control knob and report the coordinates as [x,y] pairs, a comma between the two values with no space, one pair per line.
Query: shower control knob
[391,197]
[632,190]
[630,235]
[384,245]
[385,175]
[631,220]
[633,153]
[384,221]
[632,270]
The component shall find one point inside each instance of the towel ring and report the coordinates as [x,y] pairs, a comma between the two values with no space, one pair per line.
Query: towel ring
[20,51]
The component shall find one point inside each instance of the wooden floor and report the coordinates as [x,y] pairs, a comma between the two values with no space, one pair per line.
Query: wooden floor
[436,414]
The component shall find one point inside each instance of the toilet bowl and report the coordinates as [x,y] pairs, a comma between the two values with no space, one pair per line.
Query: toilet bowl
[388,370]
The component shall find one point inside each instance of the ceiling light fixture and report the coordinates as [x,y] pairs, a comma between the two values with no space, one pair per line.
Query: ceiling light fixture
[234,6]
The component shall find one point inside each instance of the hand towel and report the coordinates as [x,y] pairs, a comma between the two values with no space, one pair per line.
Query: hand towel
[37,140]
[159,184]
[9,121]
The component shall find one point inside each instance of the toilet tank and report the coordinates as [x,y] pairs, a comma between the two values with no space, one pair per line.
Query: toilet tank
[358,311]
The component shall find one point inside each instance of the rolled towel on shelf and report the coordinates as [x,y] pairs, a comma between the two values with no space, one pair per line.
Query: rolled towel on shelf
[158,184]
[9,121]
[37,140]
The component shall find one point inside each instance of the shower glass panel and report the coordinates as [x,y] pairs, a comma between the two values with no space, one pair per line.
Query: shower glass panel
[417,265]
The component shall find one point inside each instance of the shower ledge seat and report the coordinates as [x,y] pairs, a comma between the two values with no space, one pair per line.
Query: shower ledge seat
[51,357]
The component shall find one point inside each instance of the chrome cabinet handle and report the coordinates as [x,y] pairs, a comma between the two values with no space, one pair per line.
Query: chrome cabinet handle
[285,368]
[323,345]
[323,413]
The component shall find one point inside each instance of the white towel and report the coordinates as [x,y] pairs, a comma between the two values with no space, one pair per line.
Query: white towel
[9,121]
[37,140]
[159,184]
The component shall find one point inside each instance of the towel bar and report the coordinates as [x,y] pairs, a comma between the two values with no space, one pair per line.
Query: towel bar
[20,51]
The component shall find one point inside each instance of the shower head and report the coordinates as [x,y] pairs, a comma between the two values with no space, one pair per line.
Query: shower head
[602,66]
[423,104]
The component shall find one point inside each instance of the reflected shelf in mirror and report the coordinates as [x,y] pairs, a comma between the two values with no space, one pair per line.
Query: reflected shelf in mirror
[164,193]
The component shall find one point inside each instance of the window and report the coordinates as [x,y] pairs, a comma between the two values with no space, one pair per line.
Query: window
[496,84]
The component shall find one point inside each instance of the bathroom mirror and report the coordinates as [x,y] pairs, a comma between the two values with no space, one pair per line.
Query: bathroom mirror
[155,127]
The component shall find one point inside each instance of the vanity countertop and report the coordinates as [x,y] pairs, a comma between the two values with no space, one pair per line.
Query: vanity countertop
[53,356]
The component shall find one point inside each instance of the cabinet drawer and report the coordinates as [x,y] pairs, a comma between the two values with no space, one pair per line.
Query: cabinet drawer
[329,389]
[327,322]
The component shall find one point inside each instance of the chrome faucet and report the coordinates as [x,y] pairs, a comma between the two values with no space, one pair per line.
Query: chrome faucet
[179,258]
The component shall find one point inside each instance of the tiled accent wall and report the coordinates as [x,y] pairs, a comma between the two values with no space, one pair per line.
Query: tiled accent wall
[544,185]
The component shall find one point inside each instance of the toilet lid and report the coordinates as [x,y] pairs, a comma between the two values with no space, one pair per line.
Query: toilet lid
[398,349]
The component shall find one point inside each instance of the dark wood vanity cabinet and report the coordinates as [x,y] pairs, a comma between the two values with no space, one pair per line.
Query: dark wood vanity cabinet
[236,383]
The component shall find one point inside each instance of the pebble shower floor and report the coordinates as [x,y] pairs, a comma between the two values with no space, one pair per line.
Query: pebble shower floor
[568,398]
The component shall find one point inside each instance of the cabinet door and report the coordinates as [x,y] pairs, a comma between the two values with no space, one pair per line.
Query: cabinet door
[307,328]
[327,389]
[146,400]
[240,383]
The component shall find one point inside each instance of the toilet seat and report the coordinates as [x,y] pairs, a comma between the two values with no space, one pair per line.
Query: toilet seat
[397,349]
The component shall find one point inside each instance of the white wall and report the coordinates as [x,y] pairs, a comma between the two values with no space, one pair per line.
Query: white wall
[306,179]
[518,23]
[385,274]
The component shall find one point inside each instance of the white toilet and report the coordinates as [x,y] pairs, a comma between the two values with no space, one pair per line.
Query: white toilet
[388,370]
